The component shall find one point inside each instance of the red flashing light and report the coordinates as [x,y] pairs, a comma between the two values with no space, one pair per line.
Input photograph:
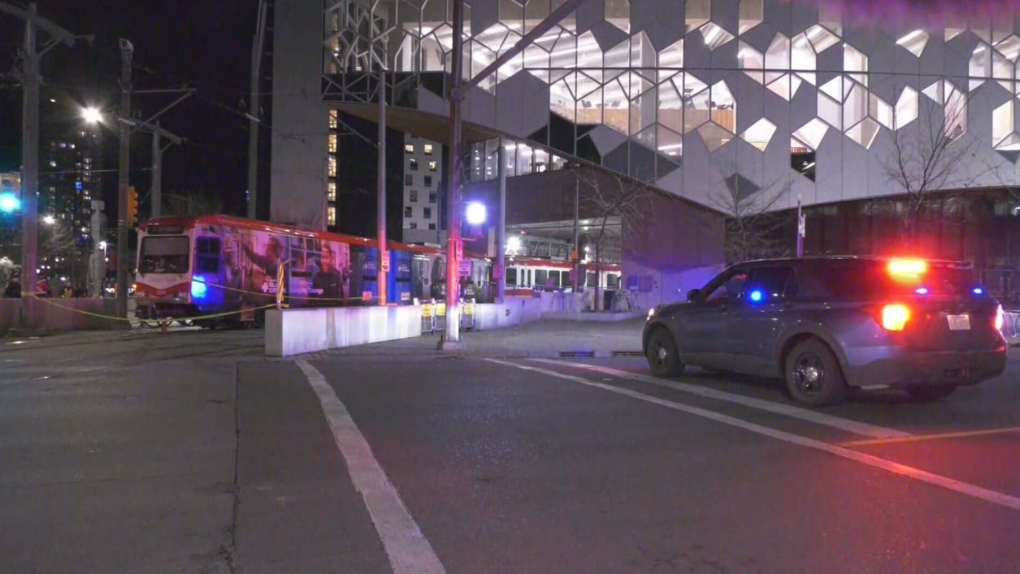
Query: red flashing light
[907,268]
[895,317]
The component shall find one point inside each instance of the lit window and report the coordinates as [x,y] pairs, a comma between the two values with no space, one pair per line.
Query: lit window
[428,149]
[332,119]
[331,191]
[332,166]
[332,143]
[855,61]
[408,148]
[714,35]
[433,165]
[331,216]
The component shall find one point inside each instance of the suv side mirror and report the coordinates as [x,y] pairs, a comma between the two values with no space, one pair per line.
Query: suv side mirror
[694,295]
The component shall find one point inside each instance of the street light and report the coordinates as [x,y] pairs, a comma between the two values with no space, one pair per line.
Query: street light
[91,115]
[49,220]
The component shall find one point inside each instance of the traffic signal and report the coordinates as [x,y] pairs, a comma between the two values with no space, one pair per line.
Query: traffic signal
[9,203]
[132,210]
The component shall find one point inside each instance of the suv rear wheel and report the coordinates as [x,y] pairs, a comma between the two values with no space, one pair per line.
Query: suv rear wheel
[813,376]
[662,355]
[930,394]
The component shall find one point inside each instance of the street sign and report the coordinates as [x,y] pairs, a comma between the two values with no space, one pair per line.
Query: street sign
[464,268]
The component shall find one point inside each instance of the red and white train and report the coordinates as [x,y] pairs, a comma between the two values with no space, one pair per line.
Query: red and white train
[223,265]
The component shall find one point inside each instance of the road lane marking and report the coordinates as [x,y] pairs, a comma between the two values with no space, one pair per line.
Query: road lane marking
[954,485]
[918,438]
[408,550]
[863,429]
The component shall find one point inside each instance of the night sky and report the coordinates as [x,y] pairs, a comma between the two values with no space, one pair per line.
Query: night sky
[206,45]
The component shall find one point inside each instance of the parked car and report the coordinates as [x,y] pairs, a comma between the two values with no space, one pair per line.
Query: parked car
[828,324]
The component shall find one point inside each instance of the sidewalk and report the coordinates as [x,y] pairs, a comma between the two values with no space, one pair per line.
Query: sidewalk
[547,339]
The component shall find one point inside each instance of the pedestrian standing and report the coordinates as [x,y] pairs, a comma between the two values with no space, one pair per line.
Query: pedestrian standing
[13,290]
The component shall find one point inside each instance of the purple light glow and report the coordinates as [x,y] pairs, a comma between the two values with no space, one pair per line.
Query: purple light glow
[892,13]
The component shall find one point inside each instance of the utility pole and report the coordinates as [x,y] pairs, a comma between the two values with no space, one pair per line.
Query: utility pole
[253,112]
[157,150]
[156,196]
[576,250]
[454,247]
[501,224]
[384,261]
[459,89]
[30,81]
[126,54]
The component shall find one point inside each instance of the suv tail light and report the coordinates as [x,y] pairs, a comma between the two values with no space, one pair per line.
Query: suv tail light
[895,317]
[1000,318]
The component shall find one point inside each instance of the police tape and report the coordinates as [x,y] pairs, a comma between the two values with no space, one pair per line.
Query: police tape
[157,319]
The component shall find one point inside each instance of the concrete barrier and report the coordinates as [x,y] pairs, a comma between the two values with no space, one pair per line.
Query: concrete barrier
[295,331]
[1011,327]
[57,315]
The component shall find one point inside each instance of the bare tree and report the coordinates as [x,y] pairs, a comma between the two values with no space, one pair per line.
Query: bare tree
[612,201]
[753,229]
[58,245]
[7,269]
[931,157]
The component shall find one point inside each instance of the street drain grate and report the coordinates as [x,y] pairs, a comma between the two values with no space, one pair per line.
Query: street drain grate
[567,354]
[628,354]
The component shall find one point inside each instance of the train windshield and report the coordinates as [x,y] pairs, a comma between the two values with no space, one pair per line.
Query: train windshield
[164,255]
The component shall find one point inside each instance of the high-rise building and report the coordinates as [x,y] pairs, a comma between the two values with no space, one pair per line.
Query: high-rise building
[423,183]
[68,182]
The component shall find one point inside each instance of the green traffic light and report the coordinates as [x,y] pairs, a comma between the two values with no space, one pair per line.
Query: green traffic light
[9,203]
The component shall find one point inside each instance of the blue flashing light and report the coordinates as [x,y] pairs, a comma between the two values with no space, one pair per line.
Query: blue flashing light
[979,291]
[921,291]
[475,213]
[198,288]
[9,203]
[757,296]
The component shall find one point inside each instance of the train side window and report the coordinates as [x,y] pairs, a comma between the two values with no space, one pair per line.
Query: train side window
[208,254]
[511,276]
[540,276]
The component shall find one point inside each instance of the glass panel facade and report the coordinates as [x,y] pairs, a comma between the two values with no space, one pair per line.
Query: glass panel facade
[631,93]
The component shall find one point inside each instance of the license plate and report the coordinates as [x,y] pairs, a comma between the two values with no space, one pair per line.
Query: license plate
[959,322]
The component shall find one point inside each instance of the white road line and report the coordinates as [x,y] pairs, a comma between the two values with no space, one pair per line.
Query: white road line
[407,548]
[964,488]
[855,427]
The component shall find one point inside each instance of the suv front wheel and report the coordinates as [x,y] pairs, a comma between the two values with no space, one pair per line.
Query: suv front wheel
[662,355]
[813,376]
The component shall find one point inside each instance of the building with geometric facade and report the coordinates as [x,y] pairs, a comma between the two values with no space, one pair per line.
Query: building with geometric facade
[784,97]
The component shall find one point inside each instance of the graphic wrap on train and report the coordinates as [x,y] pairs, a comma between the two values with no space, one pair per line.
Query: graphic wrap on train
[209,265]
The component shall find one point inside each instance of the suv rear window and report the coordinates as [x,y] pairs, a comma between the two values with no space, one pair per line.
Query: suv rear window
[870,280]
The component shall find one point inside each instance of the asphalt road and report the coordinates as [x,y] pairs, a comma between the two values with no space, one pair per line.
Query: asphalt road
[188,452]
